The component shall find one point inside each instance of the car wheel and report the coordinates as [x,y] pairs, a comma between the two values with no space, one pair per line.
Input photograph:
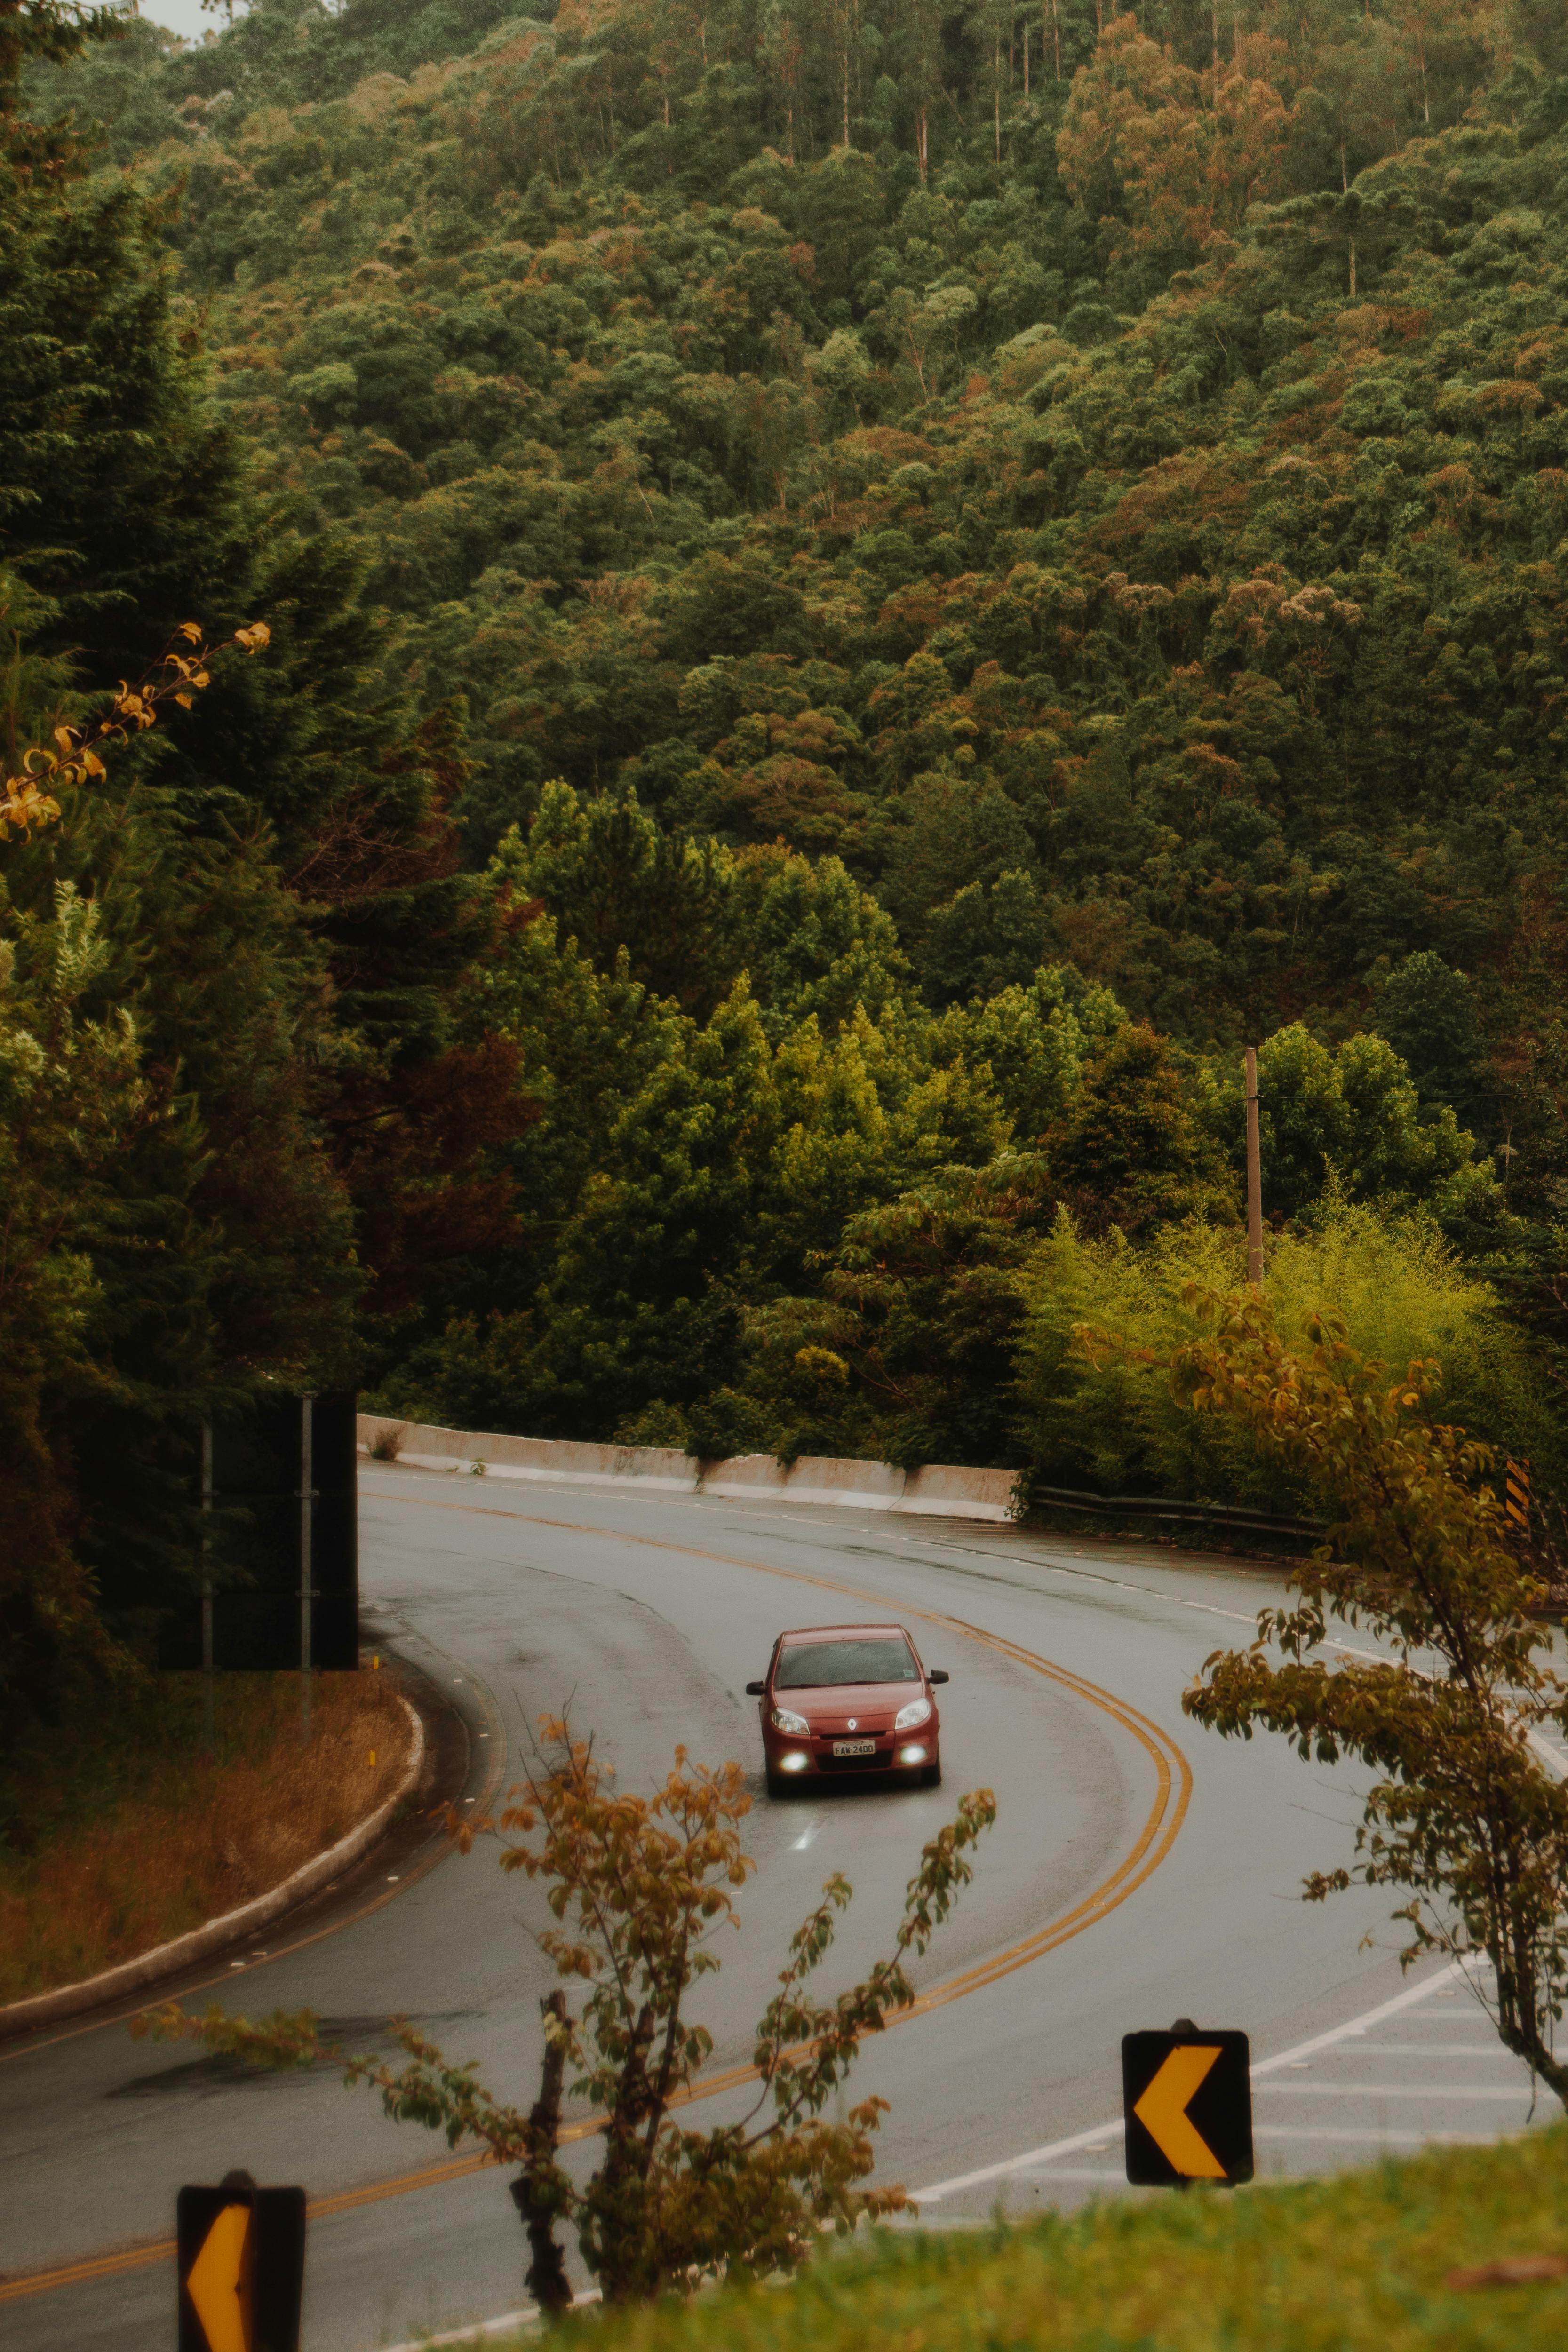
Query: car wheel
[932,1777]
[777,1785]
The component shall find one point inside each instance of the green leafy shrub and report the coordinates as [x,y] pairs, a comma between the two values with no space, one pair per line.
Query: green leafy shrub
[1115,1427]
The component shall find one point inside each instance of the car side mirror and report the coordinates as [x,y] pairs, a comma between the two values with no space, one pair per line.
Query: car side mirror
[755,1690]
[937,1675]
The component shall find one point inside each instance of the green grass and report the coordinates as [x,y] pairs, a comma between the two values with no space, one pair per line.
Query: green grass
[1357,2264]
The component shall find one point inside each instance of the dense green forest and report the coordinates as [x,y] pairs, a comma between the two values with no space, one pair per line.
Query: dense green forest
[860,593]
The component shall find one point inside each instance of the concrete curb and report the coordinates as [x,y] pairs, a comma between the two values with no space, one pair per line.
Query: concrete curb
[938,1490]
[168,1960]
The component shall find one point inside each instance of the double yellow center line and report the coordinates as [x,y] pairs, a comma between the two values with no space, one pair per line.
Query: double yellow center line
[1156,1835]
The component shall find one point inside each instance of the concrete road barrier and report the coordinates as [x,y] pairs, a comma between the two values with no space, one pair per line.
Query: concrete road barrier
[938,1490]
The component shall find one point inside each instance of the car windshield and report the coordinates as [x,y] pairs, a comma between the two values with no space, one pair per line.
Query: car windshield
[875,1658]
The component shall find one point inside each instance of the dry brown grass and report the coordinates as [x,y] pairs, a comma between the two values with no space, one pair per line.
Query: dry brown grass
[131,1832]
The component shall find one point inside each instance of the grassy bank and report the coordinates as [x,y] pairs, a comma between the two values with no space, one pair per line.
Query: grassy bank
[1364,2263]
[127,1827]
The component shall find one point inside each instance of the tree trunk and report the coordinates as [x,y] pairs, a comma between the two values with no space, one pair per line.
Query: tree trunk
[624,2166]
[536,2190]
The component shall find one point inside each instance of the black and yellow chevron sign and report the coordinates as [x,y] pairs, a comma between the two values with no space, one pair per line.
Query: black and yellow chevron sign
[1516,1493]
[242,2267]
[1187,2106]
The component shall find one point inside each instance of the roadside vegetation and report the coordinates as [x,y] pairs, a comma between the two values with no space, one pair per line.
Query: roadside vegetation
[1467,1816]
[638,1890]
[127,1826]
[1111,1419]
[841,604]
[1465,1821]
[1367,2261]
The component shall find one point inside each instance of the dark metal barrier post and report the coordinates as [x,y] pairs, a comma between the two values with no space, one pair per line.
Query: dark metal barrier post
[207,1728]
[276,1584]
[307,1515]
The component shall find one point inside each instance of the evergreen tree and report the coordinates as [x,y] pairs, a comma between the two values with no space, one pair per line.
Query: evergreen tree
[261,904]
[1428,1013]
[1127,1151]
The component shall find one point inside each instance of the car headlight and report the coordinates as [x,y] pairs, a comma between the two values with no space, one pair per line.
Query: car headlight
[785,1719]
[917,1711]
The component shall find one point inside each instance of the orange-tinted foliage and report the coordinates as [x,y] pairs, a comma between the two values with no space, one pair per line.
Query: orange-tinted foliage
[180,1836]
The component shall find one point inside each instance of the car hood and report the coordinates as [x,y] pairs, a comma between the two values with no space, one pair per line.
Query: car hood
[828,1708]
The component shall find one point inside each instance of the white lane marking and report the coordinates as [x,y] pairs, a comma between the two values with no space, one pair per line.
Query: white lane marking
[479,2328]
[1395,2091]
[889,1536]
[1353,2031]
[478,2332]
[1081,2172]
[1376,2138]
[1437,2048]
[1555,1757]
[1033,2161]
[1347,2139]
[1094,2138]
[1356,2030]
[799,1845]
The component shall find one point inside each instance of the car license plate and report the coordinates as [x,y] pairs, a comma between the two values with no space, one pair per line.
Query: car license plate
[854,1748]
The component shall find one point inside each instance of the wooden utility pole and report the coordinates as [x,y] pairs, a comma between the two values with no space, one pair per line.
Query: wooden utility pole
[1253,1178]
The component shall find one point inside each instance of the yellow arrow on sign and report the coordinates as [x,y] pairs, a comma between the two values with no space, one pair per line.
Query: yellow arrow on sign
[1163,2112]
[218,2282]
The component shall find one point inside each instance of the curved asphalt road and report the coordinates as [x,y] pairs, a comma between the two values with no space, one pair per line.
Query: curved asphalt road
[1139,1869]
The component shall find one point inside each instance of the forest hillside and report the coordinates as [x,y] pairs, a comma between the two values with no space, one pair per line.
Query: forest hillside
[861,592]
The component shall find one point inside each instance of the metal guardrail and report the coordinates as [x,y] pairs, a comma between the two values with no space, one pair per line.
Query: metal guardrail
[1160,1506]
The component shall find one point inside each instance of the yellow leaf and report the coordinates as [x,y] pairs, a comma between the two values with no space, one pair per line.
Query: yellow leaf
[184,700]
[190,629]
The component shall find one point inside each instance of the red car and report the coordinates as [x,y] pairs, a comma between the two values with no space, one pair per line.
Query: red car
[847,1698]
